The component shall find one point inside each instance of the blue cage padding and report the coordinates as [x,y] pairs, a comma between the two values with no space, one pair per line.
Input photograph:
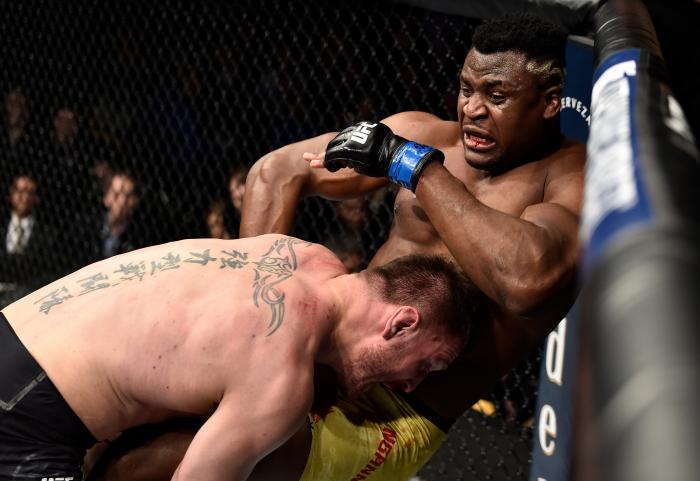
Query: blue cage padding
[552,430]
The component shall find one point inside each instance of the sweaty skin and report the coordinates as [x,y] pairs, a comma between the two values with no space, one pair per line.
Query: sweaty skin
[209,328]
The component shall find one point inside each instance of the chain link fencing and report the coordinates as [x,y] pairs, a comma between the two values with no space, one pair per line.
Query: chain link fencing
[175,99]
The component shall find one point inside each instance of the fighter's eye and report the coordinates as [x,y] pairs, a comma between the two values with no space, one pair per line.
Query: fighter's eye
[497,98]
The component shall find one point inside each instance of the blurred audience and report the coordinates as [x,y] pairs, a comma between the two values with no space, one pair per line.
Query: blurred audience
[118,232]
[354,213]
[65,173]
[65,128]
[236,188]
[354,232]
[15,118]
[216,225]
[27,248]
[15,135]
[101,174]
[349,251]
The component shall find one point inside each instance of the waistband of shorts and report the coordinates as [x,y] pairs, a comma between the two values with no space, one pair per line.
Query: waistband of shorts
[15,357]
[24,368]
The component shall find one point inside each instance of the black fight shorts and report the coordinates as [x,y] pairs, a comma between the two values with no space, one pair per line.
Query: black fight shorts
[41,438]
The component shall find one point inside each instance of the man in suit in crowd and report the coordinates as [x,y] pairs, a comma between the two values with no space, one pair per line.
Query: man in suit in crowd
[119,231]
[26,243]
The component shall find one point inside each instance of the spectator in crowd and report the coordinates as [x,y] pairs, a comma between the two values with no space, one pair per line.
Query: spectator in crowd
[236,188]
[114,225]
[366,108]
[120,231]
[349,237]
[15,135]
[101,174]
[216,225]
[63,145]
[65,128]
[15,118]
[354,213]
[349,251]
[26,243]
[65,173]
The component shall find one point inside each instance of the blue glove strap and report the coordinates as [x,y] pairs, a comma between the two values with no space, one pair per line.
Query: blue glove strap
[404,162]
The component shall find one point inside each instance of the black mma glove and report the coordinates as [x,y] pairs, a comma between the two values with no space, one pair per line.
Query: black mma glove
[372,149]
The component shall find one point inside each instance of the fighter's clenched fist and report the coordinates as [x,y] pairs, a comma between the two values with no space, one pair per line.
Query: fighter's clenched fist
[372,149]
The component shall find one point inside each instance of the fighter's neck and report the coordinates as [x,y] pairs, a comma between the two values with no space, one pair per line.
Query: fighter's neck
[351,311]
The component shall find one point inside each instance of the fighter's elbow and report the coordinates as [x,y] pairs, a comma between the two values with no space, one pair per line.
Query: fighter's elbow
[523,301]
[530,296]
[278,168]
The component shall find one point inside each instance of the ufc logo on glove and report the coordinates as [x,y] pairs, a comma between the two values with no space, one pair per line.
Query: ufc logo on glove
[362,132]
[372,149]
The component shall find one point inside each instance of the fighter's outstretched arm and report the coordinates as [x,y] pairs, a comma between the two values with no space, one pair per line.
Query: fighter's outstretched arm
[245,427]
[280,179]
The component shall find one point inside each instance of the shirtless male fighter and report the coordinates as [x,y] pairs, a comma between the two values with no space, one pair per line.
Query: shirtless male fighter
[224,330]
[504,204]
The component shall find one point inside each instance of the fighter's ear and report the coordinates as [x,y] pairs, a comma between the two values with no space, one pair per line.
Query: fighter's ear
[552,101]
[404,320]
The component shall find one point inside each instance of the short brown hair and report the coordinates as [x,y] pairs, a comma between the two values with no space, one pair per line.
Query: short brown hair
[436,288]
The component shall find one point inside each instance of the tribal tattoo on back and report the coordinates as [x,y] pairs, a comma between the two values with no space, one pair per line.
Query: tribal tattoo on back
[274,267]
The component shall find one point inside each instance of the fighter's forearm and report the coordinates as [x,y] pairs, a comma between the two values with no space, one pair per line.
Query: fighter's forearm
[209,473]
[517,263]
[273,190]
[280,179]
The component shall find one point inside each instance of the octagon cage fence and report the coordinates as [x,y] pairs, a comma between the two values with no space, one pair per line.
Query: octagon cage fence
[182,95]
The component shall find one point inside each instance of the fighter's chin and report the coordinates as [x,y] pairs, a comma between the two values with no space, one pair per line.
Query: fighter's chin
[482,157]
[480,160]
[355,390]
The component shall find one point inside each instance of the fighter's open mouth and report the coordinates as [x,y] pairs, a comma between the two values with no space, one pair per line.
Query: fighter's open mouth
[474,142]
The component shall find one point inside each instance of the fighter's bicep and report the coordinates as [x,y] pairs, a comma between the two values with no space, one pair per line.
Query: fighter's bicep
[422,127]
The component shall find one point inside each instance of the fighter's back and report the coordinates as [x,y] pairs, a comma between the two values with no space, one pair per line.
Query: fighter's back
[164,330]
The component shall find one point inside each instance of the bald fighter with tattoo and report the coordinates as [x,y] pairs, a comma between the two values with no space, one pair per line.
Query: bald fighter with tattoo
[227,331]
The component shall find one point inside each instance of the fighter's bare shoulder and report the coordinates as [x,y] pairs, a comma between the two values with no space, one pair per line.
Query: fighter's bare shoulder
[565,176]
[424,127]
[570,158]
[320,259]
[308,255]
